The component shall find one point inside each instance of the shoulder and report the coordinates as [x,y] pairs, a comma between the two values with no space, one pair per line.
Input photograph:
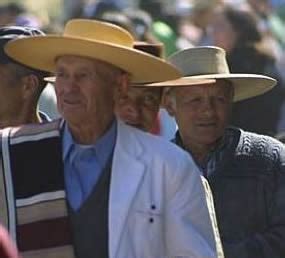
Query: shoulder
[260,145]
[32,131]
[152,142]
[155,149]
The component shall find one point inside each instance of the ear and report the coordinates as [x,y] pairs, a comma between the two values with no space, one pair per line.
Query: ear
[123,82]
[30,85]
[168,102]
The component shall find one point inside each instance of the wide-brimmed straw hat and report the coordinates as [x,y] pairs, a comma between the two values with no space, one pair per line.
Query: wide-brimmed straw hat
[210,63]
[92,39]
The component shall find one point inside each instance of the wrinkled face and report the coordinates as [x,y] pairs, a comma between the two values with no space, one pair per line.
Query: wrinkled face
[85,89]
[11,97]
[223,33]
[202,111]
[139,106]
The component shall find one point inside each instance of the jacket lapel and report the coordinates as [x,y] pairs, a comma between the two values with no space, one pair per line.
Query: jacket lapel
[127,172]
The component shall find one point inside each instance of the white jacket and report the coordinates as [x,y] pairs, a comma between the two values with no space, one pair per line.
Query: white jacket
[158,206]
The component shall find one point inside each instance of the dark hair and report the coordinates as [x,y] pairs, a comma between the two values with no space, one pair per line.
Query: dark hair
[245,24]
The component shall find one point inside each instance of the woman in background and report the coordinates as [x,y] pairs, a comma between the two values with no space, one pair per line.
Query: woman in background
[237,32]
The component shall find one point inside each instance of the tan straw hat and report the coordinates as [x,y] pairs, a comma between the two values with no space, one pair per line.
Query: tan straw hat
[210,63]
[92,39]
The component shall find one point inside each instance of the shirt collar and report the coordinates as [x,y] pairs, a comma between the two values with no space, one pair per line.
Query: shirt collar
[102,147]
[223,143]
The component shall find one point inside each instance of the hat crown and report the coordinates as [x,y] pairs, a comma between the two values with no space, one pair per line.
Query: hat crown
[98,31]
[200,61]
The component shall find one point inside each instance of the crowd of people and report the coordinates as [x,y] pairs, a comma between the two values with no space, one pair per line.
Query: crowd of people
[87,168]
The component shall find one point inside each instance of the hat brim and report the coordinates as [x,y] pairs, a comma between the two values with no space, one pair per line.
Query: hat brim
[245,85]
[41,53]
[52,79]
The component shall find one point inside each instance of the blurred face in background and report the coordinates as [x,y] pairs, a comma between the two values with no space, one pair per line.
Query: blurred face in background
[222,33]
[139,106]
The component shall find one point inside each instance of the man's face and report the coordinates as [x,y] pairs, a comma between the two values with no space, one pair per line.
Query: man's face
[202,112]
[84,89]
[139,106]
[11,97]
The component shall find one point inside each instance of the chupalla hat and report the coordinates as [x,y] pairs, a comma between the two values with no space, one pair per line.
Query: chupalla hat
[210,63]
[92,39]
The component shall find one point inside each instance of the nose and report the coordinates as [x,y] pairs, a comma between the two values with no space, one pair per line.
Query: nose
[133,111]
[208,108]
[68,84]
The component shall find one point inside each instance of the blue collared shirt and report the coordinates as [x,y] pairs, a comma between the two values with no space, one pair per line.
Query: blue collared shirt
[83,164]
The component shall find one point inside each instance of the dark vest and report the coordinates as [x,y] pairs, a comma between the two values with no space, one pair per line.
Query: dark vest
[90,222]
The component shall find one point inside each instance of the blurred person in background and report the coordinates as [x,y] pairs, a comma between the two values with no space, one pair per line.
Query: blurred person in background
[237,32]
[15,14]
[9,13]
[161,27]
[194,23]
[269,22]
[142,23]
[119,19]
[20,86]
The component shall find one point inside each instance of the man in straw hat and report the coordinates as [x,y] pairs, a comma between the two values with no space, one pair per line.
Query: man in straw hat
[100,188]
[245,171]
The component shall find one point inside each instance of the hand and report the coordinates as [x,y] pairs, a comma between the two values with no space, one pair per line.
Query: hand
[7,247]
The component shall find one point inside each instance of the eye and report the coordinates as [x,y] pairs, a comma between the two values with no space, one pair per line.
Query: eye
[81,76]
[191,100]
[221,99]
[60,74]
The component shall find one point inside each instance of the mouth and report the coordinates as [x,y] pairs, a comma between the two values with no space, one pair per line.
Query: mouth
[71,101]
[207,125]
[136,125]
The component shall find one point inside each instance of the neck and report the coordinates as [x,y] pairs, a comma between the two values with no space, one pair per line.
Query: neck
[87,133]
[199,151]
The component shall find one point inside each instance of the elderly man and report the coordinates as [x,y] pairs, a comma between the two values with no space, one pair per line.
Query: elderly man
[93,186]
[20,86]
[246,171]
